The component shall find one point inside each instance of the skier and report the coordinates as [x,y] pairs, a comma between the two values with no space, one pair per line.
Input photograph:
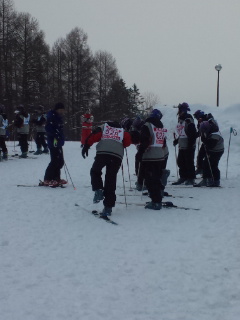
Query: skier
[87,122]
[200,116]
[55,140]
[153,154]
[214,148]
[112,139]
[3,127]
[40,121]
[22,123]
[186,144]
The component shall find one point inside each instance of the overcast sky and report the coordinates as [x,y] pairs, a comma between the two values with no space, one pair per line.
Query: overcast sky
[168,47]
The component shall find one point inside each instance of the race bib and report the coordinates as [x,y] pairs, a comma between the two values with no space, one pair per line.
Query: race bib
[159,136]
[26,120]
[112,133]
[180,129]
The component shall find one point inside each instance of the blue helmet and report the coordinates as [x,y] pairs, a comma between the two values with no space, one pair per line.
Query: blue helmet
[156,114]
[198,114]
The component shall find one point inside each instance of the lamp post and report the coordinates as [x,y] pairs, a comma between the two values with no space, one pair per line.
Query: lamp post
[218,67]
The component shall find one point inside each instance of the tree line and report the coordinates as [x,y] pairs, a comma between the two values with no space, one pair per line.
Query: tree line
[32,73]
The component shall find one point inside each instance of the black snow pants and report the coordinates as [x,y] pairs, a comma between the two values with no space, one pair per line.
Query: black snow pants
[112,165]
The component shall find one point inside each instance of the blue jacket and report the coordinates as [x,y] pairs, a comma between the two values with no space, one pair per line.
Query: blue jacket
[54,129]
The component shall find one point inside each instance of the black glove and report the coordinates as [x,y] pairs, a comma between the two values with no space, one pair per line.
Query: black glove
[175,142]
[85,151]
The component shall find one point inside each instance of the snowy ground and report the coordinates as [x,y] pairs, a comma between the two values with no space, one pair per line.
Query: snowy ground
[60,262]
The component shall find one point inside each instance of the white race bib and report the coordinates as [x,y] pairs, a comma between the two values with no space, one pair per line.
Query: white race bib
[112,133]
[180,130]
[159,136]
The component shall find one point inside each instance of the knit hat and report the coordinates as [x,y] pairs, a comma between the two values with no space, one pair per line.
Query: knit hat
[59,105]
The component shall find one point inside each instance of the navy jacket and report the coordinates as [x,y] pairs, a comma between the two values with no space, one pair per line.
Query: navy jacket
[54,129]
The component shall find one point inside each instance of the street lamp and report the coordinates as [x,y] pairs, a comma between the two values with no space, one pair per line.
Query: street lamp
[218,67]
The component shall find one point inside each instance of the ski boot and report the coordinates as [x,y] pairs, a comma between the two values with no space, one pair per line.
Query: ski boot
[107,211]
[179,181]
[39,151]
[5,156]
[202,183]
[153,205]
[98,196]
[23,155]
[189,182]
[45,150]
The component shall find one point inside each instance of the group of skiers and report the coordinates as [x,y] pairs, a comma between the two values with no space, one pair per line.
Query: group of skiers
[21,124]
[149,136]
[112,137]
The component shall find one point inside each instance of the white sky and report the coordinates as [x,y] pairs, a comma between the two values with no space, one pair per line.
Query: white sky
[168,47]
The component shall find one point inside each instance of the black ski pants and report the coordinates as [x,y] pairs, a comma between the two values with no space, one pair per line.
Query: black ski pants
[23,142]
[152,175]
[3,144]
[185,163]
[200,157]
[112,165]
[53,171]
[212,171]
[40,140]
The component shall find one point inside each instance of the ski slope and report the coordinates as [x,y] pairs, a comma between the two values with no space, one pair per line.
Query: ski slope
[58,261]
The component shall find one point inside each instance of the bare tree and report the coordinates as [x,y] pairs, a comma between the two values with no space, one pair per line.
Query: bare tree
[150,99]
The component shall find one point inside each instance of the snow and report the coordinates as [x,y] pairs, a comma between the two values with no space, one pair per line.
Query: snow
[58,261]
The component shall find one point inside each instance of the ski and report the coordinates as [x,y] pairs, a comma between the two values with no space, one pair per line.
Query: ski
[97,215]
[41,184]
[167,195]
[105,218]
[16,156]
[167,204]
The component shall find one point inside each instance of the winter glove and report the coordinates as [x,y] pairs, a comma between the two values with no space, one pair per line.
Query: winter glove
[55,142]
[85,151]
[175,142]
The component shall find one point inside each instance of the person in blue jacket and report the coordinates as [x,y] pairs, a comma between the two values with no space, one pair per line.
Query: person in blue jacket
[55,141]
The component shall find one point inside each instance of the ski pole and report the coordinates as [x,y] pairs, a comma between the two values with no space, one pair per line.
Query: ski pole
[234,133]
[124,190]
[207,155]
[128,171]
[69,175]
[174,136]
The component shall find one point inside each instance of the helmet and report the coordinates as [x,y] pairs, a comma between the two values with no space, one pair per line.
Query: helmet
[183,107]
[155,113]
[137,123]
[198,114]
[126,123]
[205,127]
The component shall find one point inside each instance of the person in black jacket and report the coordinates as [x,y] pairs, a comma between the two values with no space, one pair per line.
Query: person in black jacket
[55,139]
[3,127]
[200,116]
[214,148]
[152,155]
[40,122]
[186,141]
[21,122]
